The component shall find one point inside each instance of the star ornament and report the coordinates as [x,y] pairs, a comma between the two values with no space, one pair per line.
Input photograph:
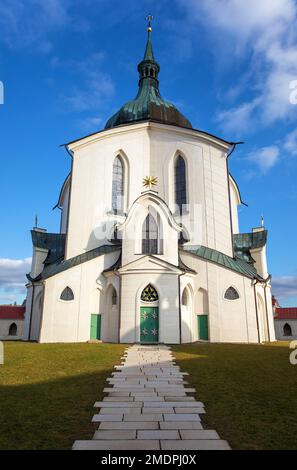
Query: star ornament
[149,181]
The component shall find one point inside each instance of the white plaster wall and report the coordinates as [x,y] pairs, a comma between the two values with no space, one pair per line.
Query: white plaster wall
[132,230]
[4,329]
[39,255]
[31,328]
[149,148]
[234,206]
[92,184]
[229,321]
[69,321]
[167,288]
[279,332]
[259,255]
[64,208]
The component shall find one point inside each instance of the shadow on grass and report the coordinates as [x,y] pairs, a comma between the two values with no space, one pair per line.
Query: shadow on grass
[48,391]
[249,392]
[49,415]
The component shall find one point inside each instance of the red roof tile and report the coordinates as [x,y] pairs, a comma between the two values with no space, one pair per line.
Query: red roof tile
[286,313]
[12,312]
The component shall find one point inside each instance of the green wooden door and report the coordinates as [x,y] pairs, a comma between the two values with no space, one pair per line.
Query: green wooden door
[202,326]
[149,324]
[95,326]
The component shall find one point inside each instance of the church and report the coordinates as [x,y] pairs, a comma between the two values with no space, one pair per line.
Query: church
[149,248]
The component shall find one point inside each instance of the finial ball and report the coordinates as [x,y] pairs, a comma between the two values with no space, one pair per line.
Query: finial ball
[149,29]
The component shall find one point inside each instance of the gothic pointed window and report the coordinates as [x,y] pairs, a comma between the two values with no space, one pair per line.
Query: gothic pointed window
[67,294]
[118,185]
[287,330]
[13,330]
[149,294]
[185,297]
[231,294]
[114,297]
[149,235]
[180,183]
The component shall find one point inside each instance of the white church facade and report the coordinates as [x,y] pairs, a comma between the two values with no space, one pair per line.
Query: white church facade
[149,248]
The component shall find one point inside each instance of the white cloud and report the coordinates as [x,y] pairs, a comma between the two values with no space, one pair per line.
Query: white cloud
[265,158]
[90,124]
[290,142]
[284,287]
[13,275]
[237,118]
[95,87]
[266,32]
[27,23]
[98,88]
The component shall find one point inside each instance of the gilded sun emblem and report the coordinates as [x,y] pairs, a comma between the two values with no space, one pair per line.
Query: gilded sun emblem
[149,181]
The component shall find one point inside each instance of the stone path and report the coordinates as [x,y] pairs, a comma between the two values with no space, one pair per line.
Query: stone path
[149,407]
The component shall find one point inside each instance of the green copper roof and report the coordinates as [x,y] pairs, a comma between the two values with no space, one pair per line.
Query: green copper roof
[148,104]
[235,264]
[244,242]
[60,266]
[53,242]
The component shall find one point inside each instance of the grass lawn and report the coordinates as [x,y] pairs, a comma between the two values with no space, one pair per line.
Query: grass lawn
[47,392]
[250,392]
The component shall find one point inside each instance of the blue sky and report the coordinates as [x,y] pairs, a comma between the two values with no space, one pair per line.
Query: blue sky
[68,65]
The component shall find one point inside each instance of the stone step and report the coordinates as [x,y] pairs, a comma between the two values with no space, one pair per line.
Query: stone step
[115,434]
[107,417]
[131,425]
[158,434]
[199,434]
[182,417]
[191,444]
[179,425]
[186,404]
[124,445]
[128,404]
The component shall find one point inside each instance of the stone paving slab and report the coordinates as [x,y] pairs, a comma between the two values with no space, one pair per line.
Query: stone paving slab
[202,444]
[112,417]
[133,444]
[115,434]
[131,425]
[149,407]
[160,434]
[179,425]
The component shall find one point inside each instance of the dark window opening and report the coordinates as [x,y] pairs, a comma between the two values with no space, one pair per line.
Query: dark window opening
[231,294]
[149,235]
[67,294]
[13,330]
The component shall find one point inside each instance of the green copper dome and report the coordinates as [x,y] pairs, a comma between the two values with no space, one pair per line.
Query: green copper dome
[148,104]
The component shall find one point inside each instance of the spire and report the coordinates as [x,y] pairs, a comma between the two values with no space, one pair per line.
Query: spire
[149,55]
[148,104]
[148,68]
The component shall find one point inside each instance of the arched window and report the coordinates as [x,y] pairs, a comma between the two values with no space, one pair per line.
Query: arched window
[149,235]
[118,185]
[67,294]
[287,330]
[180,183]
[114,299]
[185,297]
[149,294]
[231,294]
[13,330]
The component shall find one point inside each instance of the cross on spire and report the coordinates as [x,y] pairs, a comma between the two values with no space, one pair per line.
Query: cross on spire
[149,18]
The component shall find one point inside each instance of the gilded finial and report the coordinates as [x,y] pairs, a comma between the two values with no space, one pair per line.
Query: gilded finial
[149,18]
[149,181]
